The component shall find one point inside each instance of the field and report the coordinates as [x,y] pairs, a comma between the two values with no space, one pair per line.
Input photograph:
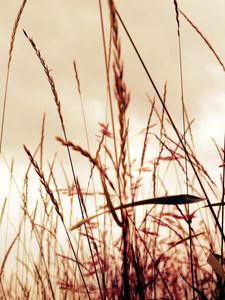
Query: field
[112,186]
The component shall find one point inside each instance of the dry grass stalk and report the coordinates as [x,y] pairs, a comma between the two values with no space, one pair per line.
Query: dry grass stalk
[12,41]
[146,138]
[7,254]
[95,162]
[18,17]
[204,39]
[77,77]
[177,16]
[107,59]
[86,129]
[123,99]
[121,94]
[50,80]
[3,210]
[44,182]
[56,206]
[42,140]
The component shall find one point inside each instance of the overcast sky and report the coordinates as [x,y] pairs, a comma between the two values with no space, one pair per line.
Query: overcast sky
[67,30]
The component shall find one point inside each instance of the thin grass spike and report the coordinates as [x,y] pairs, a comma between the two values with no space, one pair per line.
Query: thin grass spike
[12,41]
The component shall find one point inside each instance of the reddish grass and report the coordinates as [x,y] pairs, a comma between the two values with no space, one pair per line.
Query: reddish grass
[132,247]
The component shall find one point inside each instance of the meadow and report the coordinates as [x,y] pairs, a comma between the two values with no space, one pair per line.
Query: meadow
[130,212]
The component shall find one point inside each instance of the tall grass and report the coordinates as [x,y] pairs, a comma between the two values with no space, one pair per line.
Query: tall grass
[133,246]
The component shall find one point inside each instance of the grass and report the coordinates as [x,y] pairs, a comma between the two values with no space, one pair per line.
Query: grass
[126,245]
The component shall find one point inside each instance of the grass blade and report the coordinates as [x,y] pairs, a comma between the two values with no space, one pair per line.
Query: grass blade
[217,267]
[167,200]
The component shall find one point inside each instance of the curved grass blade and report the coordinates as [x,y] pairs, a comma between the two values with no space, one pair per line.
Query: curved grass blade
[166,200]
[169,200]
[217,267]
[215,204]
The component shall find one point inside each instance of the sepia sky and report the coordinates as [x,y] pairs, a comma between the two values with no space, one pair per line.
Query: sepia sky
[68,30]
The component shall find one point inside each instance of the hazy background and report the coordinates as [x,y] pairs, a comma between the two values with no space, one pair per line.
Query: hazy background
[68,30]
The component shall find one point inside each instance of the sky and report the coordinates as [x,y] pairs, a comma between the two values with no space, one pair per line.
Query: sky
[68,30]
